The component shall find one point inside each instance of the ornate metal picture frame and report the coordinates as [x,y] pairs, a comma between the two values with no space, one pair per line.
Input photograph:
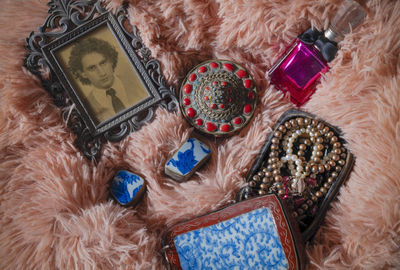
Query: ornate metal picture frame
[96,68]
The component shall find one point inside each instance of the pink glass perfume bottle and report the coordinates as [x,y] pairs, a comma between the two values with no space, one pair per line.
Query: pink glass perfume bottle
[299,69]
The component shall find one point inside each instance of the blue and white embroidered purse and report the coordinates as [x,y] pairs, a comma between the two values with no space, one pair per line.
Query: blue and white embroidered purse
[252,234]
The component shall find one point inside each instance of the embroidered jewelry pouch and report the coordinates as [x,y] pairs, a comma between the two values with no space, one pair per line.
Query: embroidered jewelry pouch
[253,234]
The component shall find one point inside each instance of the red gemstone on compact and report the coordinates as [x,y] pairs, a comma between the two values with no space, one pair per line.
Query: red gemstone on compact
[199,122]
[241,73]
[186,101]
[202,69]
[191,112]
[247,108]
[213,65]
[213,106]
[215,82]
[228,66]
[237,121]
[221,106]
[211,127]
[205,98]
[187,88]
[248,83]
[229,90]
[224,83]
[225,128]
[192,77]
[207,88]
[250,95]
[229,100]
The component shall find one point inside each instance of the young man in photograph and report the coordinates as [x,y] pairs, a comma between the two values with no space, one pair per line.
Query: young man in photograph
[93,62]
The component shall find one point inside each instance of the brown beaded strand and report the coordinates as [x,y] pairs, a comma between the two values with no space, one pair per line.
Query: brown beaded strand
[308,135]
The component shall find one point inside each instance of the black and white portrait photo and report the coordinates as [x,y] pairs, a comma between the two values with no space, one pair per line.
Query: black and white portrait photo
[99,69]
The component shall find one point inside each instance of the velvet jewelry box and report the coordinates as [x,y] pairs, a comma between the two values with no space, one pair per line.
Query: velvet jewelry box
[304,161]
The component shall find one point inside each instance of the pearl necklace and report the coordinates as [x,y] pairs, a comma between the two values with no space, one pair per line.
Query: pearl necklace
[305,158]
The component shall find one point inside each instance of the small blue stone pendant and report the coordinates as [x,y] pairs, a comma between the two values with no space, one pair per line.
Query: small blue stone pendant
[192,154]
[127,188]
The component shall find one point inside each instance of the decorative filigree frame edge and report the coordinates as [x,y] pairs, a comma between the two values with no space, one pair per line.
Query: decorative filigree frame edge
[69,20]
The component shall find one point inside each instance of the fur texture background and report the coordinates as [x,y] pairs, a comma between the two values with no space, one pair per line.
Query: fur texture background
[55,212]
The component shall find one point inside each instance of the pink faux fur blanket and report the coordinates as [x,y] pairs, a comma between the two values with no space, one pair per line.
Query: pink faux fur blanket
[54,207]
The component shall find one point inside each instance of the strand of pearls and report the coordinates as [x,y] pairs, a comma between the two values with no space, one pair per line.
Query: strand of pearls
[301,151]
